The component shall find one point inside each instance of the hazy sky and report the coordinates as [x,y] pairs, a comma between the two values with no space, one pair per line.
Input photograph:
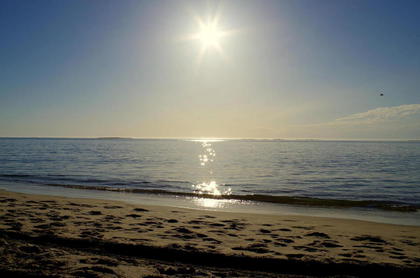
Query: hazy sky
[289,69]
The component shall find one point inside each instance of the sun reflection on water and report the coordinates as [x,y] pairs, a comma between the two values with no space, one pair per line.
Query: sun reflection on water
[208,154]
[209,186]
[213,203]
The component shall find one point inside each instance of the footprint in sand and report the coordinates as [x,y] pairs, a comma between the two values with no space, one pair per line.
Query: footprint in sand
[93,271]
[294,256]
[140,210]
[369,238]
[57,224]
[216,224]
[133,215]
[195,222]
[409,242]
[94,212]
[112,207]
[285,240]
[303,227]
[326,243]
[307,249]
[317,234]
[101,261]
[259,248]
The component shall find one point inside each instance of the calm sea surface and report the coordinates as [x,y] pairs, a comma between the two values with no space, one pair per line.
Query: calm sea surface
[387,171]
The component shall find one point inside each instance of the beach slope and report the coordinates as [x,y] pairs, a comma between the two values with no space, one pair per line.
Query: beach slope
[67,237]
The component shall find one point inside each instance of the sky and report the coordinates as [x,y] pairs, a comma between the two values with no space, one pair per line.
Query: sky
[284,69]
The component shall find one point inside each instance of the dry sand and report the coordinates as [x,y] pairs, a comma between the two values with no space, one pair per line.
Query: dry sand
[67,237]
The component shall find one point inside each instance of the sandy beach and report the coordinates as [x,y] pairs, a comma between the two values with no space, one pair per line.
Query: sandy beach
[210,139]
[68,237]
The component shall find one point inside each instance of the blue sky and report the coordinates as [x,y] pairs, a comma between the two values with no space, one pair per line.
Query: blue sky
[290,69]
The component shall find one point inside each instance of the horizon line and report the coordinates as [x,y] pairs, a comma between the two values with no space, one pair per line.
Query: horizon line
[209,138]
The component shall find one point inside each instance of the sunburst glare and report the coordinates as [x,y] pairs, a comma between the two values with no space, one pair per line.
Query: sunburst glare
[210,35]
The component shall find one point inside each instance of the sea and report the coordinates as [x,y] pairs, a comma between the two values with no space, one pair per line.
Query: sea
[382,175]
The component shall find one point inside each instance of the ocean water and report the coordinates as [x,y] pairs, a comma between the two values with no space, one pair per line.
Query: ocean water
[338,170]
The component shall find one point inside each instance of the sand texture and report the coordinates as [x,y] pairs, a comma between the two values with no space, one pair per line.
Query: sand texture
[63,237]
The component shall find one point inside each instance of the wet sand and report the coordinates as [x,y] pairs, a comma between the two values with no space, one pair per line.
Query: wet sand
[68,237]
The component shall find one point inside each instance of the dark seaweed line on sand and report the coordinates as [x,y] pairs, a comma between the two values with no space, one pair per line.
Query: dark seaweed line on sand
[271,265]
[287,200]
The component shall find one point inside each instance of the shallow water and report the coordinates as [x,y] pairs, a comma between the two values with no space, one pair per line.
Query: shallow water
[388,171]
[365,214]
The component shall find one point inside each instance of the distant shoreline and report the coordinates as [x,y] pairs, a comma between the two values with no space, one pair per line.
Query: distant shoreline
[220,139]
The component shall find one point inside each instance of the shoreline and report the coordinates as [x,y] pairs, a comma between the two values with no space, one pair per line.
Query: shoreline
[296,245]
[228,205]
[296,200]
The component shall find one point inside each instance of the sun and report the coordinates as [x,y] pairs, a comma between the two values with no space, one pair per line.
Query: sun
[209,35]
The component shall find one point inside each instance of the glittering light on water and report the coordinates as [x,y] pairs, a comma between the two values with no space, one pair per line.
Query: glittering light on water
[208,155]
[211,188]
[214,203]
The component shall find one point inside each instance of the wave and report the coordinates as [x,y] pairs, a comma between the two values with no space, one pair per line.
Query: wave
[149,187]
[64,180]
[287,200]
